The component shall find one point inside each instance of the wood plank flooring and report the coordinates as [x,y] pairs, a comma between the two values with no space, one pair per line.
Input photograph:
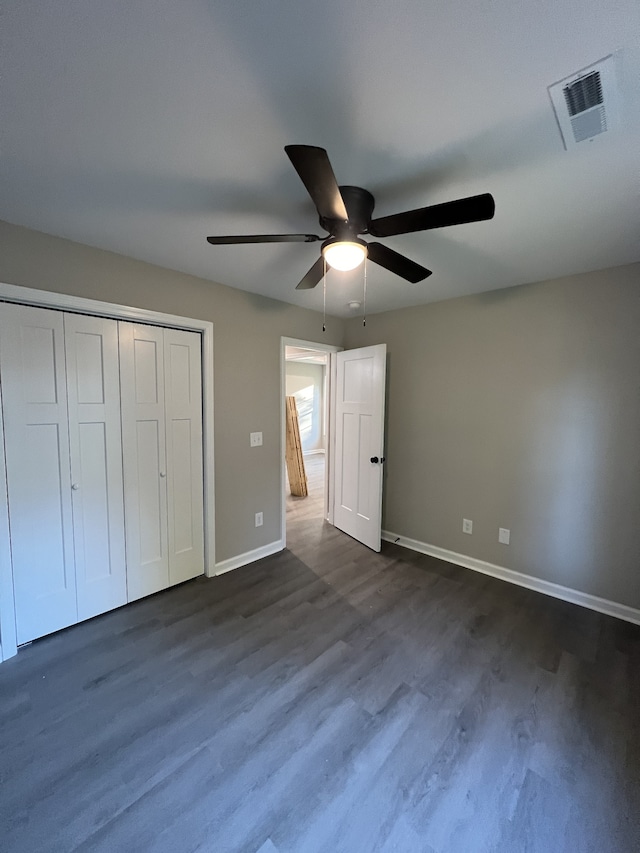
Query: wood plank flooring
[327,699]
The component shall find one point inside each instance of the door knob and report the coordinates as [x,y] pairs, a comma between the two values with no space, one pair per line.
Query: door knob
[75,487]
[162,474]
[374,459]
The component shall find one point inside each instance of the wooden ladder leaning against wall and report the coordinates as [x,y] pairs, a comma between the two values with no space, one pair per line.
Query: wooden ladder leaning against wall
[294,458]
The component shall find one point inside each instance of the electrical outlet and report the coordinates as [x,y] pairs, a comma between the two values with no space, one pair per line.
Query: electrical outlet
[504,535]
[259,519]
[467,525]
[255,439]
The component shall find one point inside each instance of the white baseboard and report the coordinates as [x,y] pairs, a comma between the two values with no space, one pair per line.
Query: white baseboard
[574,596]
[249,557]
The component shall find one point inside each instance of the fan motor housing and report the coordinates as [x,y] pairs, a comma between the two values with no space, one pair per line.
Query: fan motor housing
[359,203]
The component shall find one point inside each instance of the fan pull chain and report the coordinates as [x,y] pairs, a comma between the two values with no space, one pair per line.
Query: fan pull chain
[324,294]
[364,296]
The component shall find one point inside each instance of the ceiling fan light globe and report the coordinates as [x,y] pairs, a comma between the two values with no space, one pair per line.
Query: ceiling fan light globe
[344,255]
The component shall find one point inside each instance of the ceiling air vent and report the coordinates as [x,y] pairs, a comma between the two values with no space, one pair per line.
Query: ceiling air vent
[586,103]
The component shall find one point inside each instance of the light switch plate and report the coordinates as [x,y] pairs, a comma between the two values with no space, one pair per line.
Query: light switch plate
[256,439]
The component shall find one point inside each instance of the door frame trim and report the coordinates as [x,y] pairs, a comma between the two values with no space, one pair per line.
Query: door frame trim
[8,632]
[111,310]
[328,348]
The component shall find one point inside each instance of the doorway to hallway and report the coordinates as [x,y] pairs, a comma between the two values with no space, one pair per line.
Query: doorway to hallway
[341,396]
[306,377]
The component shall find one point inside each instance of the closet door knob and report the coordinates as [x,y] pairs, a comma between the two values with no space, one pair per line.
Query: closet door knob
[75,487]
[162,474]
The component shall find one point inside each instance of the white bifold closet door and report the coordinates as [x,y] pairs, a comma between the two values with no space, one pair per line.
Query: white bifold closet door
[93,386]
[161,387]
[61,408]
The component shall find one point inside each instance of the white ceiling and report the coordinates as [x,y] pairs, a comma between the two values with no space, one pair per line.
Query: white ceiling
[311,356]
[142,127]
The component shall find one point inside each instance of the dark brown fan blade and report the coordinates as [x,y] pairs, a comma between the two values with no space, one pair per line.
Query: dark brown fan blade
[473,209]
[263,238]
[313,166]
[313,276]
[396,263]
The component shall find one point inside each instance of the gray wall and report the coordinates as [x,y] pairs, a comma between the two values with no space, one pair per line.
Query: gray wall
[520,408]
[247,332]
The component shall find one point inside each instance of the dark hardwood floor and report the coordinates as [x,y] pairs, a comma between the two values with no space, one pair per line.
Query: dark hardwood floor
[327,699]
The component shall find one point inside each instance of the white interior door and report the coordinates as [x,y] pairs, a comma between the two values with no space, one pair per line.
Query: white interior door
[143,445]
[359,439]
[32,367]
[93,387]
[183,403]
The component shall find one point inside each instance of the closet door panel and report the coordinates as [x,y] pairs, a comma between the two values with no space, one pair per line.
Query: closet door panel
[151,497]
[96,463]
[183,383]
[143,442]
[32,369]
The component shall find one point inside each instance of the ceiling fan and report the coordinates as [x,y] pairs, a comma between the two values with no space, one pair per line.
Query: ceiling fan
[345,213]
